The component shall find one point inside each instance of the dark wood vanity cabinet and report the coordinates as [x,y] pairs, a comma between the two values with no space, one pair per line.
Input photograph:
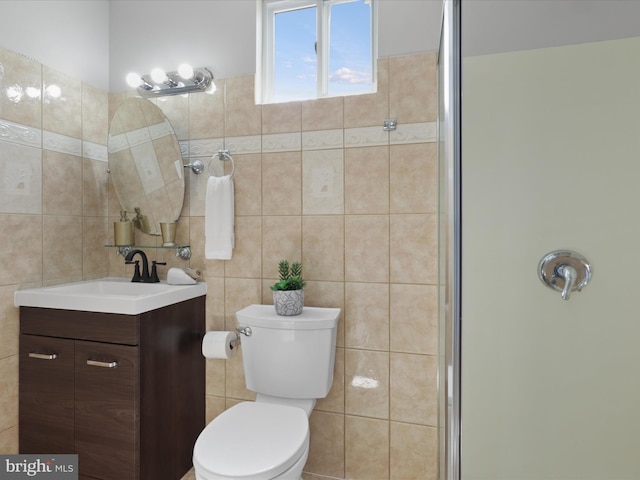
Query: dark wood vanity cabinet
[124,392]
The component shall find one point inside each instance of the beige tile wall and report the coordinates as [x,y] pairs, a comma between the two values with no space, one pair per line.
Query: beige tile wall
[53,198]
[318,181]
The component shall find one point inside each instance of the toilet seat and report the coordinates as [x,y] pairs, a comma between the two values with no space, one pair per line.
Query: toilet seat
[251,441]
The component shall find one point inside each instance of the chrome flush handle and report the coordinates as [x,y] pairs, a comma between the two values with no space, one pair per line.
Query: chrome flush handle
[246,331]
[565,271]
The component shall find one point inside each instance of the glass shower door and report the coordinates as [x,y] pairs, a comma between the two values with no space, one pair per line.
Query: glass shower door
[550,388]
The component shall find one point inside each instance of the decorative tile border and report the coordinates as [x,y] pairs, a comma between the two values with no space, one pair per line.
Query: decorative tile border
[365,137]
[38,138]
[117,143]
[323,139]
[314,140]
[203,147]
[95,151]
[243,145]
[426,132]
[282,142]
[21,134]
[61,143]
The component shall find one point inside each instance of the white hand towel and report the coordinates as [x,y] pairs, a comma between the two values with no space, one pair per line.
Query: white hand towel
[219,218]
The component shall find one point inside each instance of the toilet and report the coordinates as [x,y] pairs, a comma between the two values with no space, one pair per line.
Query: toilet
[288,361]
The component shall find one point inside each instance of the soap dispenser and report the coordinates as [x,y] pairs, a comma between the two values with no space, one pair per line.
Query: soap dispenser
[123,231]
[142,221]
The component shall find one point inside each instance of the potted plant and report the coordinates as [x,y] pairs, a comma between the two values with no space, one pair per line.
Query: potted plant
[288,293]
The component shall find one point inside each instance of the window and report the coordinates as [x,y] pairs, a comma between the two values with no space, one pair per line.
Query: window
[317,48]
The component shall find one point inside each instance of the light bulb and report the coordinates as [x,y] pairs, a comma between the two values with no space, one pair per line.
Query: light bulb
[14,93]
[32,92]
[158,75]
[134,80]
[53,91]
[185,71]
[211,88]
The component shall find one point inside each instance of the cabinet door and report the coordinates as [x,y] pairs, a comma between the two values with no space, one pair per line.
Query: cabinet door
[46,395]
[107,417]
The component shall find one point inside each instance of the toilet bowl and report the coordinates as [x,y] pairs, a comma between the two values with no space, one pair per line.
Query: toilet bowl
[288,361]
[253,441]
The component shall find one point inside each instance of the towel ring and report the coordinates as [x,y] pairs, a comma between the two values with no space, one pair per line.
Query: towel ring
[224,155]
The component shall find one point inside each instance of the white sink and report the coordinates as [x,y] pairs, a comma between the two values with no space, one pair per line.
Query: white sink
[108,295]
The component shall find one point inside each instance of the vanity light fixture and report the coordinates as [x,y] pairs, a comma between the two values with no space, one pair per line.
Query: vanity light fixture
[159,83]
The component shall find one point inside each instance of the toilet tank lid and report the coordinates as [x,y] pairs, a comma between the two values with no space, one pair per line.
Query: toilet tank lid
[311,318]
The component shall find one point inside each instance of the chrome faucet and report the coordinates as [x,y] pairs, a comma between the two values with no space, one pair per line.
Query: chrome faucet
[143,277]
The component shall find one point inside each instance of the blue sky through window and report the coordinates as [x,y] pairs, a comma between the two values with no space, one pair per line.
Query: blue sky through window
[295,70]
[350,48]
[295,61]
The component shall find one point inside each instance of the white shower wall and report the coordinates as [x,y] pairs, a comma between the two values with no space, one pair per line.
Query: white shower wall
[551,160]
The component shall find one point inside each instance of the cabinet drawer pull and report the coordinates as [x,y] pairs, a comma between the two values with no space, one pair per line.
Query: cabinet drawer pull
[43,356]
[96,363]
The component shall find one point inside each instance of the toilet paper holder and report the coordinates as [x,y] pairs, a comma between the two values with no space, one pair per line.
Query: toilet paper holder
[246,331]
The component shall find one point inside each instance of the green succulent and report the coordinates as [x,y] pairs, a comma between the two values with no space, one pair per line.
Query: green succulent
[290,276]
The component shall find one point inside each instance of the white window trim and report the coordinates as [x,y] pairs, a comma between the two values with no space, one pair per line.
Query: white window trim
[265,40]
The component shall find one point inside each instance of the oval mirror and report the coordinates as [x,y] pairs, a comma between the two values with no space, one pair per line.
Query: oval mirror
[145,164]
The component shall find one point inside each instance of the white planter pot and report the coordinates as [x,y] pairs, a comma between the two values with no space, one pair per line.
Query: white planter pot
[288,302]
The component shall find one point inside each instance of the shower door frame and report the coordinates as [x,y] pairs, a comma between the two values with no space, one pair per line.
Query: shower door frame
[450,238]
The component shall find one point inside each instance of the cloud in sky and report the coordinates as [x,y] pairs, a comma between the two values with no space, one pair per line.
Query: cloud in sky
[347,75]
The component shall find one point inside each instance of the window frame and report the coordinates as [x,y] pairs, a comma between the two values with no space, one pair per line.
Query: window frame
[266,44]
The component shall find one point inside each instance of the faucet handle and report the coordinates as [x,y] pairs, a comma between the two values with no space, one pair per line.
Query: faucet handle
[136,274]
[154,271]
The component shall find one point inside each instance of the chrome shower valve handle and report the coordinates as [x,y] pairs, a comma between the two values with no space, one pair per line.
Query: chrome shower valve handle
[569,274]
[564,270]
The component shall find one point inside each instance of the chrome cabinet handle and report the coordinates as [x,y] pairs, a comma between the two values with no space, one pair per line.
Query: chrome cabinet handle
[564,270]
[96,363]
[43,356]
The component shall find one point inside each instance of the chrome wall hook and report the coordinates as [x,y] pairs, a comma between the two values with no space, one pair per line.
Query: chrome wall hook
[389,124]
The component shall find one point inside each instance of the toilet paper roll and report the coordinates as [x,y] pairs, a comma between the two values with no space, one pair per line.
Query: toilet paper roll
[219,345]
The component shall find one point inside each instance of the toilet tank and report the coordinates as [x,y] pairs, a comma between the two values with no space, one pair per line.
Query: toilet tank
[289,356]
